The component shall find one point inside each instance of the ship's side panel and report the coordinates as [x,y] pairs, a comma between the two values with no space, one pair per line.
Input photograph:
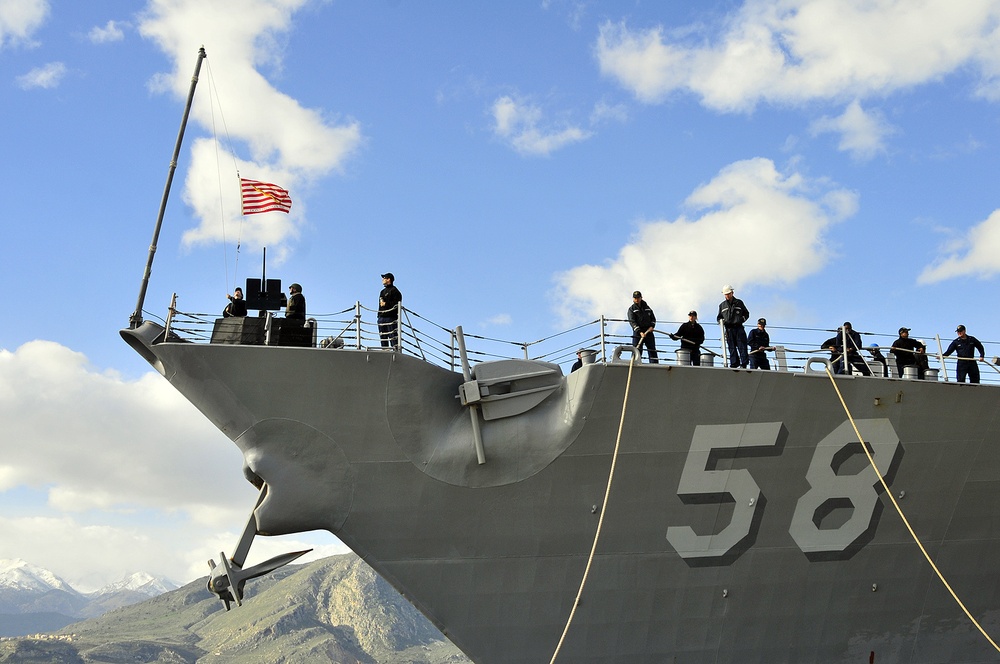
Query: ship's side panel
[771,602]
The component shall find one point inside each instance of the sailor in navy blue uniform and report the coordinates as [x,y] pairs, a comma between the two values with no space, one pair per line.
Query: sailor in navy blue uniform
[691,335]
[237,305]
[835,345]
[965,346]
[854,350]
[732,314]
[905,350]
[389,299]
[879,358]
[642,320]
[760,342]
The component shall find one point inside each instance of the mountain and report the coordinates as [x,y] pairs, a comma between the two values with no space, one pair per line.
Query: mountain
[132,589]
[33,599]
[139,582]
[20,575]
[332,610]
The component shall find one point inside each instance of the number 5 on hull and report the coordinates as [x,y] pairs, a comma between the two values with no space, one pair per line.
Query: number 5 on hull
[700,484]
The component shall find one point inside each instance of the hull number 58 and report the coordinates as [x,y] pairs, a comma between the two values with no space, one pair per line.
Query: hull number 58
[858,493]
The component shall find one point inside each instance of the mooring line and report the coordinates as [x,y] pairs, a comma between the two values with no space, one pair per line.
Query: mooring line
[604,507]
[906,522]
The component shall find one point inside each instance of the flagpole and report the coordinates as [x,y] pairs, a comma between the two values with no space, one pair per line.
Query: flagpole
[135,320]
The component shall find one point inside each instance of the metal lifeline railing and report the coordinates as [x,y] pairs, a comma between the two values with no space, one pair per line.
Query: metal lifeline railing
[355,328]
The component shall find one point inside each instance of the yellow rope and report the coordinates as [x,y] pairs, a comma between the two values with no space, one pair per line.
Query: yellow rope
[604,507]
[902,516]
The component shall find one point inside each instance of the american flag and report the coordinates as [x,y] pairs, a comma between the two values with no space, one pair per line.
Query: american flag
[263,197]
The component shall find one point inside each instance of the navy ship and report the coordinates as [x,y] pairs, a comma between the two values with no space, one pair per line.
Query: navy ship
[623,512]
[744,520]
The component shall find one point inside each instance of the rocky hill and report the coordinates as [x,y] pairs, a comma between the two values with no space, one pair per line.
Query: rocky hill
[332,610]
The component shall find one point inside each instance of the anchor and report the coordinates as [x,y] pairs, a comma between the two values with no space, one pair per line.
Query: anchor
[502,388]
[228,579]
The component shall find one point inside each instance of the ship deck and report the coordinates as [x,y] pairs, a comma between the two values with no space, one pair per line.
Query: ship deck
[797,349]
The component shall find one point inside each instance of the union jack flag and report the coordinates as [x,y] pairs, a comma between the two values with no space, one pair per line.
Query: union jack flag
[263,197]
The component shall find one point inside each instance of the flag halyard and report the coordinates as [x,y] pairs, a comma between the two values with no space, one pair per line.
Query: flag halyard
[260,197]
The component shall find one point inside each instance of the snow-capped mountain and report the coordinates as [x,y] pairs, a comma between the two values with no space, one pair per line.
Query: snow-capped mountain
[34,599]
[18,574]
[140,582]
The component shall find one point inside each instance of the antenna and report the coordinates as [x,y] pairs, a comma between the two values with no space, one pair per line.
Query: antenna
[135,320]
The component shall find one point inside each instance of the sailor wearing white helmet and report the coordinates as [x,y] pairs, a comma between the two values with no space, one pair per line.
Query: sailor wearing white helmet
[732,314]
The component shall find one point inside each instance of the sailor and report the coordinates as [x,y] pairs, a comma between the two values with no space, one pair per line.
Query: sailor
[965,346]
[922,362]
[237,305]
[760,342]
[296,308]
[642,320]
[732,314]
[579,360]
[691,335]
[877,356]
[835,345]
[854,349]
[904,349]
[389,300]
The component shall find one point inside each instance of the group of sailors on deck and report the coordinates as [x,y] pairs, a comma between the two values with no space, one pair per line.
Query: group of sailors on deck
[751,351]
[744,351]
[389,302]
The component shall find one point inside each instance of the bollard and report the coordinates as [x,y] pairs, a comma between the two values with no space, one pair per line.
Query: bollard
[707,359]
[683,356]
[910,372]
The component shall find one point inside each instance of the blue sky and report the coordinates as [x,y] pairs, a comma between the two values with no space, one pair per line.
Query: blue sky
[520,167]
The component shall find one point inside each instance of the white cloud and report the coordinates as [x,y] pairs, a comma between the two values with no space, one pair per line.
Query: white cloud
[499,319]
[800,50]
[297,144]
[976,254]
[19,19]
[574,11]
[605,112]
[85,554]
[47,77]
[862,134]
[95,440]
[101,475]
[111,32]
[755,226]
[270,229]
[520,125]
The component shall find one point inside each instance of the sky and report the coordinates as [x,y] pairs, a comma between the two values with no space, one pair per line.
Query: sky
[520,167]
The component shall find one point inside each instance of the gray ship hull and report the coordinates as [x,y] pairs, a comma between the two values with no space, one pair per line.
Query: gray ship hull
[744,522]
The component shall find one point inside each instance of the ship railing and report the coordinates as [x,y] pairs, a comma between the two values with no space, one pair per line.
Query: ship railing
[355,327]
